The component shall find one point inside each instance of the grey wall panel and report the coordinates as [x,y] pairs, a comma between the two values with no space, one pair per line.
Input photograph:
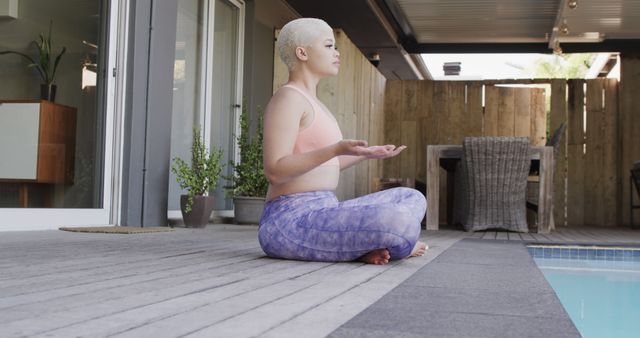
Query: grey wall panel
[262,17]
[148,115]
[159,105]
[135,114]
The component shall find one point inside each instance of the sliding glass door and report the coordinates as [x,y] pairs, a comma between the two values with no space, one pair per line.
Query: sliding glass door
[56,119]
[226,92]
[207,89]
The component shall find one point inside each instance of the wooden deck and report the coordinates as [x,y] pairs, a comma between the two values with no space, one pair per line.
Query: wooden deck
[198,283]
[570,235]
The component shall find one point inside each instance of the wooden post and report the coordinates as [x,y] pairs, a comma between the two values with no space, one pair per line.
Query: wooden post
[23,195]
[612,199]
[538,117]
[433,187]
[594,181]
[546,190]
[559,116]
[575,153]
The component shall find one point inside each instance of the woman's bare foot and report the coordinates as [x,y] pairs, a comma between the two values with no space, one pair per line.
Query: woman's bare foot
[378,257]
[419,249]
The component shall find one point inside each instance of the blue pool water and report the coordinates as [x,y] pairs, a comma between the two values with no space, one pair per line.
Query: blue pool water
[599,287]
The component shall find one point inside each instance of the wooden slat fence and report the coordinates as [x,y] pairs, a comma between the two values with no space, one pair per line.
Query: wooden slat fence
[575,153]
[419,113]
[629,129]
[591,185]
[593,162]
[601,179]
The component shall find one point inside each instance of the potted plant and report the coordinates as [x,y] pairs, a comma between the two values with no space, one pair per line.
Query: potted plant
[197,179]
[43,64]
[249,183]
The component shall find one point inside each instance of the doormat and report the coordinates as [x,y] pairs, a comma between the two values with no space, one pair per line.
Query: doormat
[117,229]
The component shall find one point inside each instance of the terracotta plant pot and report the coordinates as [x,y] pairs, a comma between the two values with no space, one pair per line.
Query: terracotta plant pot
[200,211]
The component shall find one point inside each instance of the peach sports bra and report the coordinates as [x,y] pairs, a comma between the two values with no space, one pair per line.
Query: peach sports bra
[323,130]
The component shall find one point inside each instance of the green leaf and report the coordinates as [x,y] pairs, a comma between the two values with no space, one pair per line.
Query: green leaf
[203,173]
[43,61]
[55,64]
[248,177]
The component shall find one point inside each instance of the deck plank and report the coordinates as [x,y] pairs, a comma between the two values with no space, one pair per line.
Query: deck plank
[120,268]
[142,294]
[189,312]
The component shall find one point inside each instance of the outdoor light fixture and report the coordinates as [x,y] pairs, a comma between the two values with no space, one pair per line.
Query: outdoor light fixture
[374,58]
[564,29]
[561,33]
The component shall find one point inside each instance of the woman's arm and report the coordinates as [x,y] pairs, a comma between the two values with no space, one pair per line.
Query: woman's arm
[283,118]
[349,161]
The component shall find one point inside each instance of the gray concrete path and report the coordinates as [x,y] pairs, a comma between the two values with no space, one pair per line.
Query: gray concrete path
[477,288]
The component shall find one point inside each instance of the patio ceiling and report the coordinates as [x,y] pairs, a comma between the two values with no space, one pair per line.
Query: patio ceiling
[399,29]
[444,26]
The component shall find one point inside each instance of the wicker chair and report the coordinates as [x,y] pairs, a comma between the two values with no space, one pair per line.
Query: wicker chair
[491,182]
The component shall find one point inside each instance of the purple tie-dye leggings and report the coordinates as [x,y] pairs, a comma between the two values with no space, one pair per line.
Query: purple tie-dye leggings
[315,226]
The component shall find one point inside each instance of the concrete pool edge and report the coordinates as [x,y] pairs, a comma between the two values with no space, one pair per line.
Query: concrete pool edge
[477,287]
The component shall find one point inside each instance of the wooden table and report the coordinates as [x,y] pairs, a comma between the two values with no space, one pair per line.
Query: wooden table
[439,155]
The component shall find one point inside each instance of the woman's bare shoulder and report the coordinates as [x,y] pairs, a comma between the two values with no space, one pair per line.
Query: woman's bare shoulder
[288,100]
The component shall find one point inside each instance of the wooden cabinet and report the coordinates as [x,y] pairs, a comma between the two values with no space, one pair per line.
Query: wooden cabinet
[37,142]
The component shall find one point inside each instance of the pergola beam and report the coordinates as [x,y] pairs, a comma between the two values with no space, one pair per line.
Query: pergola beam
[554,42]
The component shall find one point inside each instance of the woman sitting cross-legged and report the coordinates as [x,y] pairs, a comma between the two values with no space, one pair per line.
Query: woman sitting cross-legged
[304,153]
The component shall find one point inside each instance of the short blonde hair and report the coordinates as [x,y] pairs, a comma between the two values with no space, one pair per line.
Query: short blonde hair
[298,33]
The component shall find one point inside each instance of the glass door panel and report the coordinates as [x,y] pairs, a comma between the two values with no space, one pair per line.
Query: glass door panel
[54,120]
[206,88]
[224,93]
[58,166]
[188,78]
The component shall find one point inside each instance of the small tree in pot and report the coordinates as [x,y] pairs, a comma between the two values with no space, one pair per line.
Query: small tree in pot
[198,179]
[249,183]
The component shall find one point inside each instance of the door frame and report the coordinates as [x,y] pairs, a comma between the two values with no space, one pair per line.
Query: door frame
[239,71]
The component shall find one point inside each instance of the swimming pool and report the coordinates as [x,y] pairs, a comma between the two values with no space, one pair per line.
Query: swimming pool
[598,286]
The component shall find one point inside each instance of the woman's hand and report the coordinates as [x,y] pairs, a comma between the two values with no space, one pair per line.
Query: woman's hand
[360,148]
[385,151]
[352,147]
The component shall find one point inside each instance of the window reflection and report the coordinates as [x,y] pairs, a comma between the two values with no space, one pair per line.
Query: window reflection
[56,139]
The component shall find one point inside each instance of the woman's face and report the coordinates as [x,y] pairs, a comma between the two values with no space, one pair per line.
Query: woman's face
[324,58]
